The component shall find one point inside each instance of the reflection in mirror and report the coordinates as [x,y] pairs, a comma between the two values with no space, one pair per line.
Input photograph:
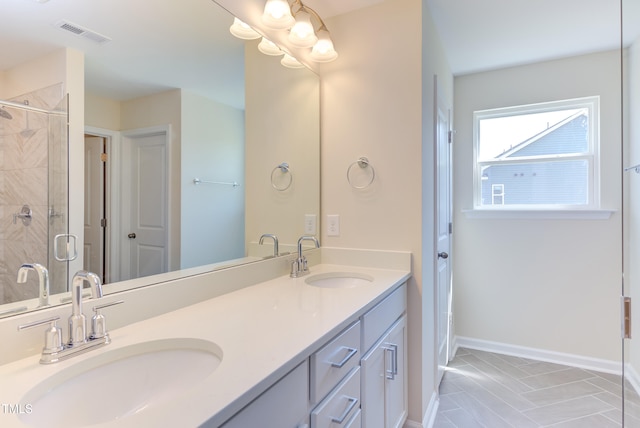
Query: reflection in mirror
[167,108]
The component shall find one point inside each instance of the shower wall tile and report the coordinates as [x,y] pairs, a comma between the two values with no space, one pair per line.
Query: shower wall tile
[33,149]
[24,179]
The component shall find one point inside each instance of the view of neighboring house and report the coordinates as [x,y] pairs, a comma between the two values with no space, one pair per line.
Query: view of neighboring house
[536,179]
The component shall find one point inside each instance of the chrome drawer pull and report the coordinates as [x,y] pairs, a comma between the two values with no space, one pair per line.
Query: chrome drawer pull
[352,403]
[391,374]
[351,353]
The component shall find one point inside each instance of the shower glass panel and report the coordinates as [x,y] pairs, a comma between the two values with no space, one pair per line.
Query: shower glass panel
[33,194]
[57,212]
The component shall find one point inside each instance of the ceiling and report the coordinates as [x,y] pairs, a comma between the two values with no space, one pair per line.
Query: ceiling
[491,34]
[158,45]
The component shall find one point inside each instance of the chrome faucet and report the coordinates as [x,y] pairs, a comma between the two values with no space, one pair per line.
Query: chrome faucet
[43,280]
[79,342]
[77,321]
[299,266]
[276,251]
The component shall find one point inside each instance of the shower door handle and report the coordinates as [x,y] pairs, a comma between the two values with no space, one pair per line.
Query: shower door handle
[131,236]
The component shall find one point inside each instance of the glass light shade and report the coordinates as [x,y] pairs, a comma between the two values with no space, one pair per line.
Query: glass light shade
[242,30]
[290,62]
[267,47]
[323,50]
[302,34]
[277,14]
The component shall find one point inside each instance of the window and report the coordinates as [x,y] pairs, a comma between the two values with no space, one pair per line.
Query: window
[497,194]
[542,156]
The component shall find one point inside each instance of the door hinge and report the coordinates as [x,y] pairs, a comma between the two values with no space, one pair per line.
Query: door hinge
[626,317]
[103,157]
[450,137]
[450,228]
[103,222]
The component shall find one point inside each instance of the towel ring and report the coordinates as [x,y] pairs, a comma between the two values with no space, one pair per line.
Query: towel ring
[363,163]
[284,169]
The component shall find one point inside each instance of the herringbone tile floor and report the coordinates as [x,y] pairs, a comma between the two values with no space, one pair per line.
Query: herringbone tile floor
[482,389]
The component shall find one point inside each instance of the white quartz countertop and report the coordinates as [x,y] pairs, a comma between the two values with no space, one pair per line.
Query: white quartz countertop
[264,331]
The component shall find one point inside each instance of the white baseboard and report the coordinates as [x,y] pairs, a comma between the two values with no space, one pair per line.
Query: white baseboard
[631,375]
[589,363]
[429,417]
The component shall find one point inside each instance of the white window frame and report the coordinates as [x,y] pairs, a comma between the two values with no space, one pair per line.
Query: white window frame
[592,156]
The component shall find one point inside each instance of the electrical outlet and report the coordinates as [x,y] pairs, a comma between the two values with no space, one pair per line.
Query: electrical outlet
[310,224]
[333,225]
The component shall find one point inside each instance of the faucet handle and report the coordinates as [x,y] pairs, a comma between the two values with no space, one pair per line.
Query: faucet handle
[52,336]
[98,322]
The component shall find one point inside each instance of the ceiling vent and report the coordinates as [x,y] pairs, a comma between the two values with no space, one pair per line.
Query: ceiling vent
[82,32]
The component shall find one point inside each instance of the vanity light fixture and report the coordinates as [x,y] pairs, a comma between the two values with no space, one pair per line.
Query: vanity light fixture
[298,20]
[243,31]
[290,62]
[267,47]
[277,15]
[323,50]
[302,34]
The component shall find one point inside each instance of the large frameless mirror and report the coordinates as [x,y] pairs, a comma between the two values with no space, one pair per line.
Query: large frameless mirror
[186,131]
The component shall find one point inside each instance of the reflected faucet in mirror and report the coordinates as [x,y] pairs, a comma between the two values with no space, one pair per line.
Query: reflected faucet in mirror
[43,280]
[276,251]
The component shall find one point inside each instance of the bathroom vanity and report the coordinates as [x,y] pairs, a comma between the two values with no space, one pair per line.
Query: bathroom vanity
[326,349]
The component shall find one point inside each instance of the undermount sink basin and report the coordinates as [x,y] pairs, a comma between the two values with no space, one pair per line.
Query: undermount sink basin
[339,280]
[121,383]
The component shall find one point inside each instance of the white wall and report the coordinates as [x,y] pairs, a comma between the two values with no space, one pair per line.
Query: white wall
[101,112]
[375,97]
[547,284]
[212,223]
[284,131]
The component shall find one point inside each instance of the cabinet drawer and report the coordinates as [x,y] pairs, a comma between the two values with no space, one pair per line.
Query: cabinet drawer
[355,421]
[331,363]
[377,320]
[338,409]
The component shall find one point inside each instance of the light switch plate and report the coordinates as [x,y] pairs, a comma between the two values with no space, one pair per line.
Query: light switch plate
[310,224]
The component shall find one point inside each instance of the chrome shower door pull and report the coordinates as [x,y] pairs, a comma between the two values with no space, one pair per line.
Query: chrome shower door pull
[65,247]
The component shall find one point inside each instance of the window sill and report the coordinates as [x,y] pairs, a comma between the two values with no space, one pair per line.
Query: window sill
[599,214]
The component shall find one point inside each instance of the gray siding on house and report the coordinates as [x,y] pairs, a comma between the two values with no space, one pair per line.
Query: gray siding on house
[528,183]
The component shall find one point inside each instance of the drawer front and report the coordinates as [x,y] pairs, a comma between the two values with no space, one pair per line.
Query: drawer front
[332,363]
[355,421]
[341,406]
[379,319]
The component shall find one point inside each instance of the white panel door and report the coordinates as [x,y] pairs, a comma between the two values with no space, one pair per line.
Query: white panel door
[443,235]
[94,205]
[147,233]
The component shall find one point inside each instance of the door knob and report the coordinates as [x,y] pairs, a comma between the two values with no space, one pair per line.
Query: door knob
[443,255]
[131,236]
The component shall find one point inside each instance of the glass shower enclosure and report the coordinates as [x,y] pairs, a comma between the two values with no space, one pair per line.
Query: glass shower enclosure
[34,194]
